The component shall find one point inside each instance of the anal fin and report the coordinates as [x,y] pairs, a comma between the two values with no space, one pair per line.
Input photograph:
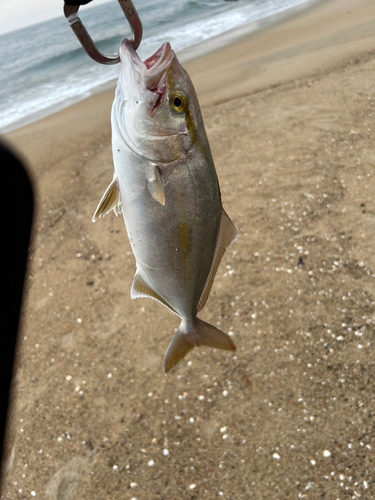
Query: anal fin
[227,235]
[110,201]
[141,289]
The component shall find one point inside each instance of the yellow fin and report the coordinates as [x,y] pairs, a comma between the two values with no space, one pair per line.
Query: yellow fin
[155,185]
[227,235]
[191,335]
[141,289]
[110,201]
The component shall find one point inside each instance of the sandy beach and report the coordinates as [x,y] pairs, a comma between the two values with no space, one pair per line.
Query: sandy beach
[290,114]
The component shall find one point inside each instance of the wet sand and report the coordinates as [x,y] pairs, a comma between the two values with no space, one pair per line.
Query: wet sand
[290,114]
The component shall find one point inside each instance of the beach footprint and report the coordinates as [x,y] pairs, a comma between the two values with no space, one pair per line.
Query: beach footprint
[65,483]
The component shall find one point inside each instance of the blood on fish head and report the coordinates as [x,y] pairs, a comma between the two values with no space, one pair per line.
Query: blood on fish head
[159,109]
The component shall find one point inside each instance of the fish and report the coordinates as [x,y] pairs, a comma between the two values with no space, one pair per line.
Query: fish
[166,187]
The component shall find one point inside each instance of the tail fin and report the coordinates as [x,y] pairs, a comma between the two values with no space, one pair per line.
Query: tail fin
[186,339]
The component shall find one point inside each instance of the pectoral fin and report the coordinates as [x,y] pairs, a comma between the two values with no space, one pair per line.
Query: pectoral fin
[141,289]
[227,235]
[110,201]
[155,184]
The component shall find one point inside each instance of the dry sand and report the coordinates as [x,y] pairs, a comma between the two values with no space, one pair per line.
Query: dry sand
[290,114]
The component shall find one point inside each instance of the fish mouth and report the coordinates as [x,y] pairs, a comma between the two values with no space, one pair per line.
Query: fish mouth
[153,68]
[161,58]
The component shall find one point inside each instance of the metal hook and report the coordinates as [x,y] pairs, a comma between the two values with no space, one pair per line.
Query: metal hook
[71,13]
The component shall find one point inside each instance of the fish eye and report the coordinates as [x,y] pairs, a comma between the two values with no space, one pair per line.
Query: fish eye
[178,101]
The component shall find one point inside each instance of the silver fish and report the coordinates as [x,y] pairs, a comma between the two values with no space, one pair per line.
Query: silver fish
[166,187]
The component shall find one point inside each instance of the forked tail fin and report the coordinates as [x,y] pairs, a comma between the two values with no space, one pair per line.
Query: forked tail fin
[186,339]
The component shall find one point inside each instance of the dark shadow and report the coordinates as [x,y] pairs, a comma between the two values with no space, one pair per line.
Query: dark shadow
[18,208]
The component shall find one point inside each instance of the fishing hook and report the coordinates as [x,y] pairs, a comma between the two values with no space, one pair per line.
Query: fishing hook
[71,13]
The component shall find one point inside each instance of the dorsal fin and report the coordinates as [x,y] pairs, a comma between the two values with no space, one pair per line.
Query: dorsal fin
[141,289]
[227,235]
[110,201]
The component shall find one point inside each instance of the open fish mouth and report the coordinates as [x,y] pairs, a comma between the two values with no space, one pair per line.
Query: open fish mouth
[161,58]
[153,68]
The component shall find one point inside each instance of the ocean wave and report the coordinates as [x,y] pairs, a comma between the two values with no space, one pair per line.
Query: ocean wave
[40,71]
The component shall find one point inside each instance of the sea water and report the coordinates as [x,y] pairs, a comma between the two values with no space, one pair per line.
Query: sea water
[44,68]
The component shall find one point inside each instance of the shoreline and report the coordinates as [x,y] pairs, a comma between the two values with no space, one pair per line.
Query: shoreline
[196,51]
[300,47]
[236,35]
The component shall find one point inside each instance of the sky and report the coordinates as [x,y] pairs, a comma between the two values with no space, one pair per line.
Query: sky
[15,14]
